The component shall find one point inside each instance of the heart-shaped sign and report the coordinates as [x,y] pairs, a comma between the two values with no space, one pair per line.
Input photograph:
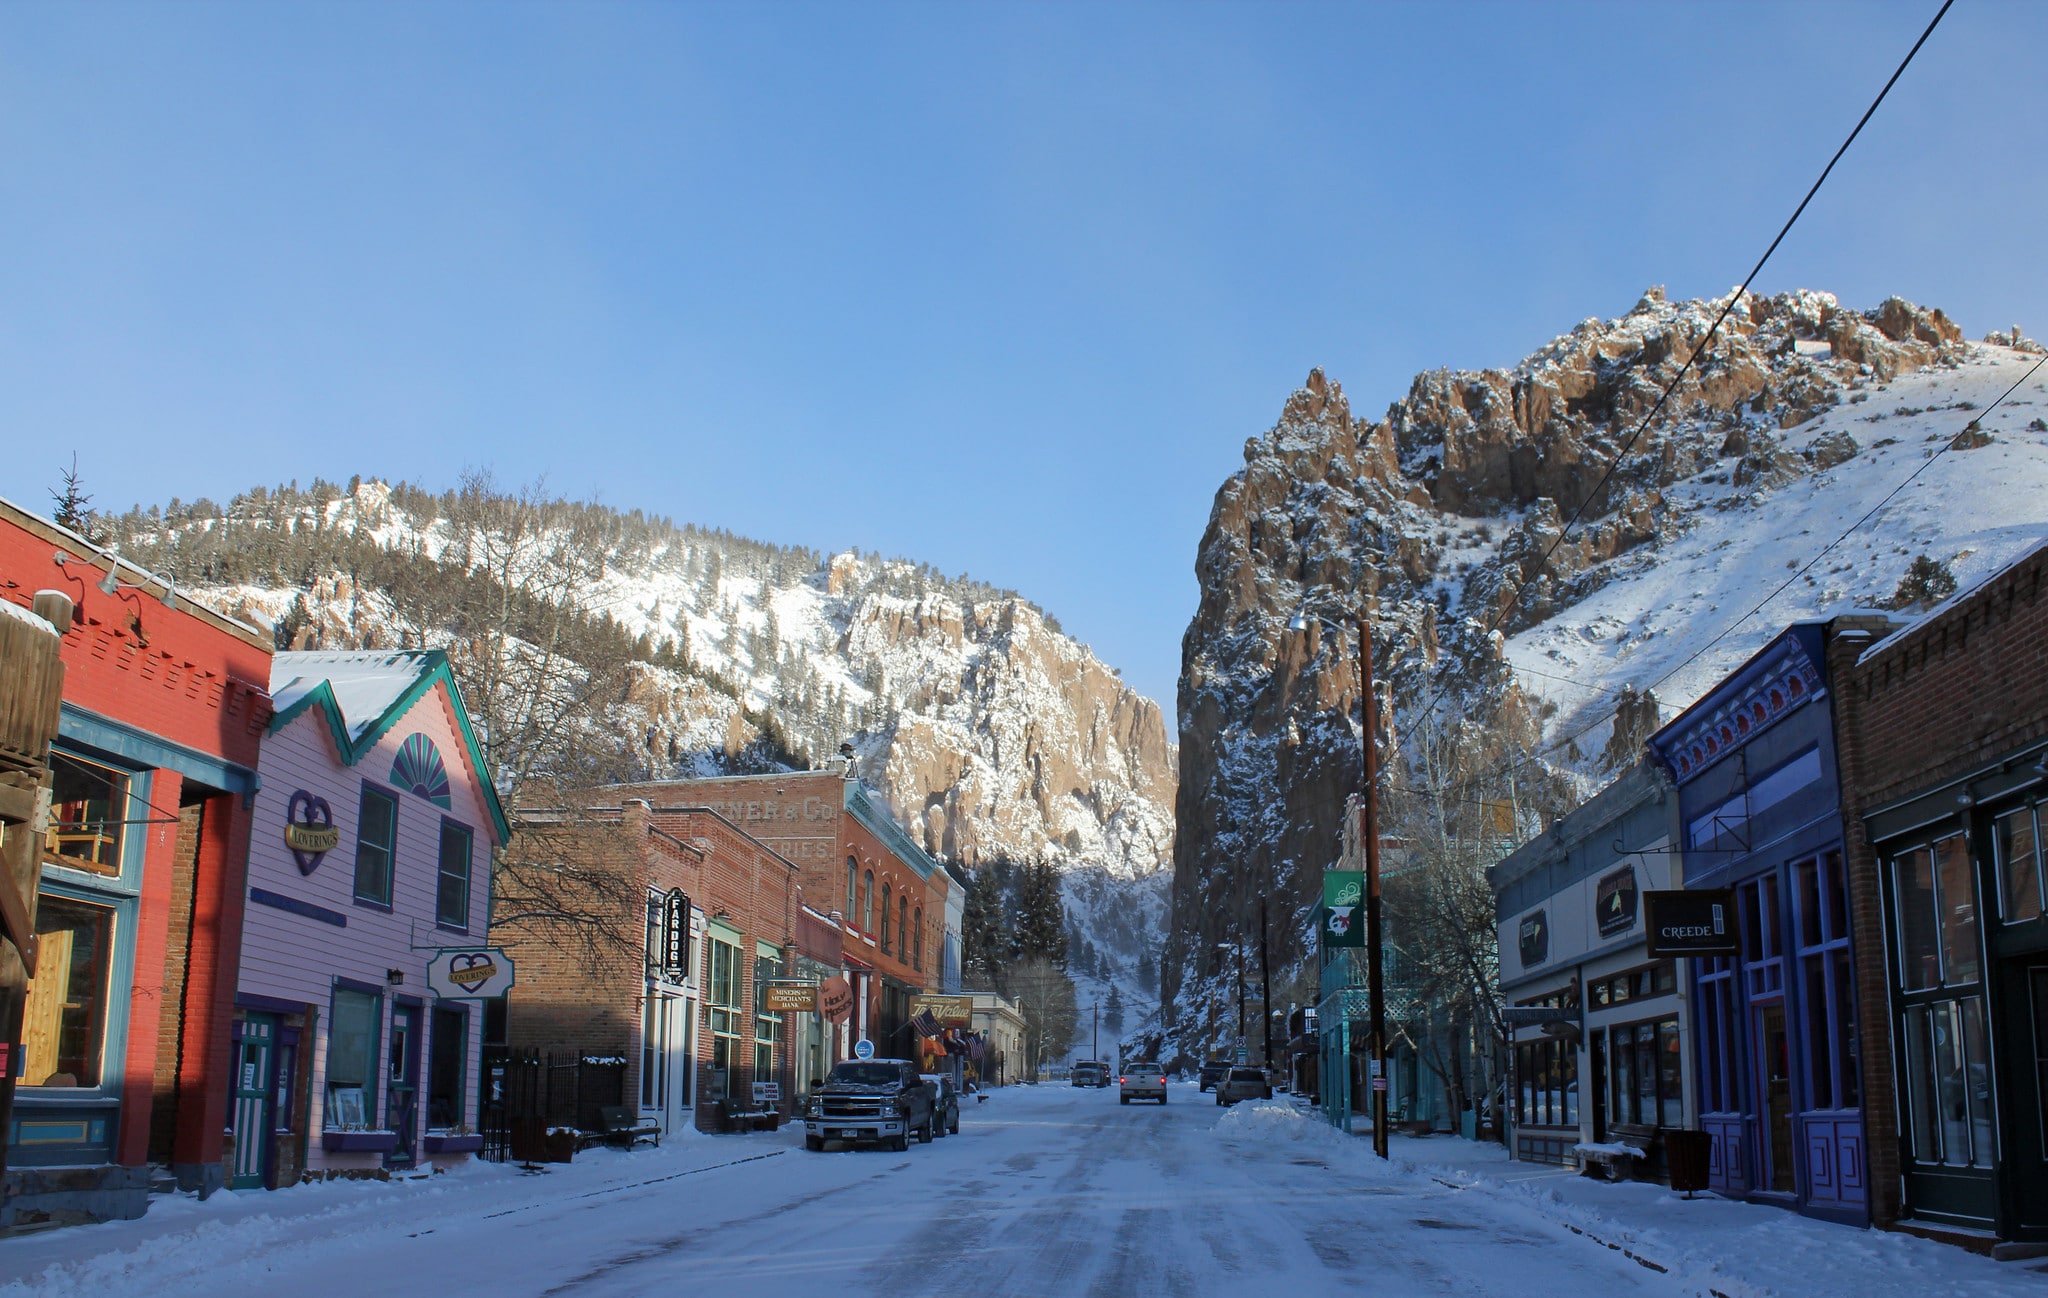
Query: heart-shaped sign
[309,830]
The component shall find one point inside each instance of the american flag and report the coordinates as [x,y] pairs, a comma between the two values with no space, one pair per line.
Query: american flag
[926,1025]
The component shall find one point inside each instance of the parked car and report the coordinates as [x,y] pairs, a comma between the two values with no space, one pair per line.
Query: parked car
[946,1108]
[1213,1072]
[871,1102]
[1089,1072]
[1142,1082]
[1243,1084]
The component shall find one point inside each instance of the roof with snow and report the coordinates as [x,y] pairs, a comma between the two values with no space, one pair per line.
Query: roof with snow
[363,693]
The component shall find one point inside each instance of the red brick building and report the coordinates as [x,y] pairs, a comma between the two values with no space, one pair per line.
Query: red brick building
[694,917]
[1943,743]
[855,860]
[124,1043]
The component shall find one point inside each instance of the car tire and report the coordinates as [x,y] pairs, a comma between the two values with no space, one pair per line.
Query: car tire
[899,1143]
[954,1130]
[816,1144]
[1123,1099]
[925,1134]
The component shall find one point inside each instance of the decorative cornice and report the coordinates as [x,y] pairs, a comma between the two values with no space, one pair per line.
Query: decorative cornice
[1779,680]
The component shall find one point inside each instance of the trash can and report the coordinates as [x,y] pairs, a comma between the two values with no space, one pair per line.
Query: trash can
[1686,1156]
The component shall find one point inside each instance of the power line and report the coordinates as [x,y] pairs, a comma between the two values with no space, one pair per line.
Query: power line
[1600,486]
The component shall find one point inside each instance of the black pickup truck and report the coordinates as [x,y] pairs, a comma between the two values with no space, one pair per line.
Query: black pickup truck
[871,1102]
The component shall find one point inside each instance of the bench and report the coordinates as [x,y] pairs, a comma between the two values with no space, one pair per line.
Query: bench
[1626,1149]
[621,1128]
[735,1116]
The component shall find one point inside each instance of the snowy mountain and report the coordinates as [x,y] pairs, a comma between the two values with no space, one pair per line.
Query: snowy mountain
[990,732]
[1516,669]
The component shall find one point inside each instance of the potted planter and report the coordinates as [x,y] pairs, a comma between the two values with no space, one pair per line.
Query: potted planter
[450,1142]
[561,1145]
[359,1142]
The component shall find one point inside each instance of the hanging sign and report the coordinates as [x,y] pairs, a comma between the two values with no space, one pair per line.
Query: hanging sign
[864,1048]
[1690,921]
[789,998]
[835,999]
[1343,922]
[309,830]
[475,973]
[675,936]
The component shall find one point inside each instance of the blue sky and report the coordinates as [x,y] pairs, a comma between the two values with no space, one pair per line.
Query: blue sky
[1000,288]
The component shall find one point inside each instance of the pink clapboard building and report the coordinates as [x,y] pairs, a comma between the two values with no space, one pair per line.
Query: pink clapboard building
[369,857]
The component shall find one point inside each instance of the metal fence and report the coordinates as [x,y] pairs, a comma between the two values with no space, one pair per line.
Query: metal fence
[528,1093]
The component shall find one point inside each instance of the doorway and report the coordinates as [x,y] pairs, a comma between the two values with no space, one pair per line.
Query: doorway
[255,1092]
[1775,1058]
[402,1091]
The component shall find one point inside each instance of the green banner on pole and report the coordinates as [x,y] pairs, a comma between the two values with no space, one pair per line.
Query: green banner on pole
[1343,908]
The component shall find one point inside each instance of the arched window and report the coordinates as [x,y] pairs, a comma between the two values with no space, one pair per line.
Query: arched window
[867,902]
[885,918]
[917,941]
[903,922]
[852,874]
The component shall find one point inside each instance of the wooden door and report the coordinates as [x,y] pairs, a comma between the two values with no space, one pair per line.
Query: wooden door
[255,1092]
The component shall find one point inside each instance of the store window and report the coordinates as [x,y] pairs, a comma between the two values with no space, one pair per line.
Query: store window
[1827,986]
[451,892]
[767,1027]
[376,840]
[724,1003]
[88,811]
[1646,1082]
[352,1059]
[1949,1104]
[64,1022]
[2018,839]
[1548,1083]
[1721,1089]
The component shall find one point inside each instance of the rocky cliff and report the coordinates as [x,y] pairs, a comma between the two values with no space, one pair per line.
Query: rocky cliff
[1439,525]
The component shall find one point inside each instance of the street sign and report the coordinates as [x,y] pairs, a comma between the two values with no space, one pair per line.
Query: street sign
[473,973]
[1343,895]
[864,1048]
[1690,921]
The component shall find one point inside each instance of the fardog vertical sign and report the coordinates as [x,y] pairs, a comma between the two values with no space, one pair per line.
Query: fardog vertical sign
[1690,922]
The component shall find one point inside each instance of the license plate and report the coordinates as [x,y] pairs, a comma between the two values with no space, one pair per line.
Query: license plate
[840,1133]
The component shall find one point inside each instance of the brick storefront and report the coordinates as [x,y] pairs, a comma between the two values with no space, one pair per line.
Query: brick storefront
[1943,733]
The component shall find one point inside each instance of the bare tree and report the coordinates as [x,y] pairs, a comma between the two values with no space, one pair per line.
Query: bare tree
[572,879]
[1045,1000]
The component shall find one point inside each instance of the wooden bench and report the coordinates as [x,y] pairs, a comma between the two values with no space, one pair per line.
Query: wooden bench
[621,1128]
[1626,1151]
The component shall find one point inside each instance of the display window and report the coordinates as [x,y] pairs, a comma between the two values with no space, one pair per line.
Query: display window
[64,1021]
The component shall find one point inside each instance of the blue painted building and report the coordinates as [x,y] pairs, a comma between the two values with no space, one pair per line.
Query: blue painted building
[1760,815]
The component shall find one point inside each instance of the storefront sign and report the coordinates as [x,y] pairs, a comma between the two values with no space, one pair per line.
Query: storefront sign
[864,1049]
[789,998]
[1532,938]
[950,1011]
[478,973]
[675,936]
[1690,921]
[767,1093]
[1343,920]
[835,999]
[1614,902]
[309,830]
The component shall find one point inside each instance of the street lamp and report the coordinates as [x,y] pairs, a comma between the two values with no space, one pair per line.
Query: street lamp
[1375,992]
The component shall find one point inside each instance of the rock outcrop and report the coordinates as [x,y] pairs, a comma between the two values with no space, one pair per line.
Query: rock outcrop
[1441,525]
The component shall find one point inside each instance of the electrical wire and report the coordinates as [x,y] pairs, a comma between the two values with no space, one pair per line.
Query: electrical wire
[1628,443]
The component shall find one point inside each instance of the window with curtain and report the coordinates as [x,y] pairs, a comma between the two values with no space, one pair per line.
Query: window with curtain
[352,1058]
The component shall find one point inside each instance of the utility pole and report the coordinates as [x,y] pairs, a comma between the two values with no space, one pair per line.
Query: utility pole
[1265,981]
[1375,991]
[1095,1031]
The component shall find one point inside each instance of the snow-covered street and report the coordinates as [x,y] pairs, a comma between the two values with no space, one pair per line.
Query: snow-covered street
[1049,1190]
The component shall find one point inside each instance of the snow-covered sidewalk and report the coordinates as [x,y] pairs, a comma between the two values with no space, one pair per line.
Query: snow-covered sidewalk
[1722,1246]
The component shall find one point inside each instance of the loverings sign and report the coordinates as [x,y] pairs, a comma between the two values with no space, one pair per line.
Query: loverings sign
[474,973]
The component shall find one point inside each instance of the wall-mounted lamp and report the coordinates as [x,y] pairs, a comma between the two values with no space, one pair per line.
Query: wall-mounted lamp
[1964,799]
[396,977]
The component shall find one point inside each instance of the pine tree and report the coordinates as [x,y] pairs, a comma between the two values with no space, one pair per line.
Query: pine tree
[74,506]
[1113,1011]
[985,939]
[1041,916]
[1148,972]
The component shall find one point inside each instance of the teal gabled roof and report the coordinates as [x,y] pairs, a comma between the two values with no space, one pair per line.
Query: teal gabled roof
[363,693]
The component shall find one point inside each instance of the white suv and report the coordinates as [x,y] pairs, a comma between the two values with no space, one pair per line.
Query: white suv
[1142,1082]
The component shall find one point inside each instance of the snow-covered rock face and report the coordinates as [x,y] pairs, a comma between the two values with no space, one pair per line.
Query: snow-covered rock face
[990,732]
[1440,520]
